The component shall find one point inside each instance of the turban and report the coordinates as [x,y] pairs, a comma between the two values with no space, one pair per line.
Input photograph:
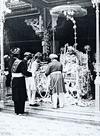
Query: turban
[38,54]
[27,54]
[53,56]
[15,51]
[6,56]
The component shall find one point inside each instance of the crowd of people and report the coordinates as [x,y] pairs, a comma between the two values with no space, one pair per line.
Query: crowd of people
[22,79]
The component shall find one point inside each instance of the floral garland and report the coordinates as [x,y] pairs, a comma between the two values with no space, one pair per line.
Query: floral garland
[76,73]
[42,81]
[46,42]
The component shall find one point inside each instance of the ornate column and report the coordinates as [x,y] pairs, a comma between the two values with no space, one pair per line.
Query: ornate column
[97,80]
[45,39]
[2,53]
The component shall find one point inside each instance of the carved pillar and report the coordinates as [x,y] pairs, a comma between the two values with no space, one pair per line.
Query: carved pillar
[2,77]
[97,80]
[3,11]
[44,40]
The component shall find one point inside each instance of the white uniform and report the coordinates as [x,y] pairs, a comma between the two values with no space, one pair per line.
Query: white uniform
[31,83]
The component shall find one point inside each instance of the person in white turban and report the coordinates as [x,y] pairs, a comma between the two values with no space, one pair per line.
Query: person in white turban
[57,86]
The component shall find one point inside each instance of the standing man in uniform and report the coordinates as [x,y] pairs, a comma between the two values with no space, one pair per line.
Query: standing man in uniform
[19,72]
[57,85]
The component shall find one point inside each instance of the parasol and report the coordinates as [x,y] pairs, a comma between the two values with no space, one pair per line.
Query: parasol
[71,10]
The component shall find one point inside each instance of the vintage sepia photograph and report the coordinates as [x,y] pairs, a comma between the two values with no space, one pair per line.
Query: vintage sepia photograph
[49,68]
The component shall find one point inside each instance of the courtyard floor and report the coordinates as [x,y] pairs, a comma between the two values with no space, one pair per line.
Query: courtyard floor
[77,118]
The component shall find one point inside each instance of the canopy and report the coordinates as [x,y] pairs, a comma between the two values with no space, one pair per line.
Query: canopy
[72,10]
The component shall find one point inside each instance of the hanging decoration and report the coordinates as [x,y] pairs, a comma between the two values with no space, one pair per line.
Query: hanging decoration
[74,27]
[36,24]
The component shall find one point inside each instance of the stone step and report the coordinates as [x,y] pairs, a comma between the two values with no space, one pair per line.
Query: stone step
[71,113]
